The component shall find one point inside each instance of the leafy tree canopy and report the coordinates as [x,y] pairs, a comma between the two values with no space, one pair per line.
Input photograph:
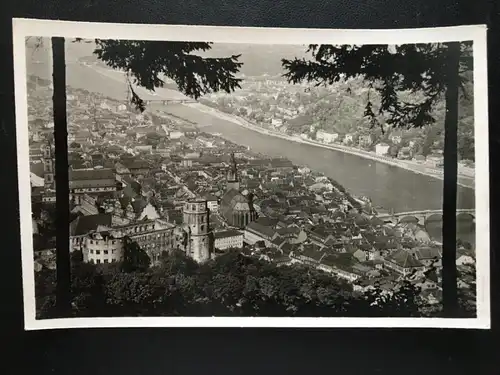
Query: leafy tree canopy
[148,62]
[413,68]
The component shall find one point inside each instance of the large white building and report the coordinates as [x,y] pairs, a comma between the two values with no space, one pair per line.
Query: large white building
[103,247]
[228,239]
[175,134]
[326,137]
[382,149]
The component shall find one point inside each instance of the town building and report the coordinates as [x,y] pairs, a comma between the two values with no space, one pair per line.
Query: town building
[212,202]
[175,134]
[326,137]
[228,239]
[36,150]
[90,181]
[434,160]
[382,149]
[405,153]
[348,139]
[256,232]
[144,148]
[48,167]
[402,262]
[137,167]
[276,122]
[365,140]
[396,138]
[49,183]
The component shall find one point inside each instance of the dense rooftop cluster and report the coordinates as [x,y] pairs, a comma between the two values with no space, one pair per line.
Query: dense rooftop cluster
[132,174]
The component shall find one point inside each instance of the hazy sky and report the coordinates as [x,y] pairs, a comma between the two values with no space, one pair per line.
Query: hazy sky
[257,59]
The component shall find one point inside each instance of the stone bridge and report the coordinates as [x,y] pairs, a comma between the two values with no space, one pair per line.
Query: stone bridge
[425,216]
[169,101]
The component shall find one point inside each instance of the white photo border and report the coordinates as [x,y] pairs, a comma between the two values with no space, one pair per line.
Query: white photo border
[23,28]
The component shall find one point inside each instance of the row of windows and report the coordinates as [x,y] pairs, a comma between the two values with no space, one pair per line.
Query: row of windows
[155,244]
[83,190]
[98,242]
[230,239]
[98,261]
[195,207]
[105,252]
[149,237]
[141,228]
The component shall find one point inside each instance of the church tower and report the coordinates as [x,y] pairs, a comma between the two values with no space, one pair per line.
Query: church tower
[232,176]
[196,217]
[48,167]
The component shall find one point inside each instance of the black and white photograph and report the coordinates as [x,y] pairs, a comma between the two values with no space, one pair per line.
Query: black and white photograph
[226,176]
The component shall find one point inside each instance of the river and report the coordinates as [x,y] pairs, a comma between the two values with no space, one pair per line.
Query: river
[388,186]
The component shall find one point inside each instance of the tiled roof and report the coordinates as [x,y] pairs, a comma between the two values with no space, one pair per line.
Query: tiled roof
[404,259]
[85,224]
[91,174]
[268,222]
[136,164]
[427,253]
[261,230]
[37,169]
[227,234]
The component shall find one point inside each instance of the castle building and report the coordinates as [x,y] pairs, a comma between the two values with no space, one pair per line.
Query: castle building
[238,210]
[102,241]
[103,247]
[199,238]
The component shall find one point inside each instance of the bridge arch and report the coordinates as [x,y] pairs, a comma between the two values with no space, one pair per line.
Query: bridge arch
[409,219]
[432,218]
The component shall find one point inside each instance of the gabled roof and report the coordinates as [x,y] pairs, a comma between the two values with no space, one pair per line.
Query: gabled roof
[261,230]
[85,224]
[424,253]
[404,259]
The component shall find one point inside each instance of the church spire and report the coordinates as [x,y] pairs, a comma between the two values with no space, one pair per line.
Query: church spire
[232,175]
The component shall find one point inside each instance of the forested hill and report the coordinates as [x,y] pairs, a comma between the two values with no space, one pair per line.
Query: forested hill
[342,111]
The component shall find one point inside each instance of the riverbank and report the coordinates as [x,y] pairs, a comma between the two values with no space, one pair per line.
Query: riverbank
[417,168]
[464,181]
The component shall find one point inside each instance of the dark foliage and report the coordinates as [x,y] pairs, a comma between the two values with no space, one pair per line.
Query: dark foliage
[230,285]
[135,259]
